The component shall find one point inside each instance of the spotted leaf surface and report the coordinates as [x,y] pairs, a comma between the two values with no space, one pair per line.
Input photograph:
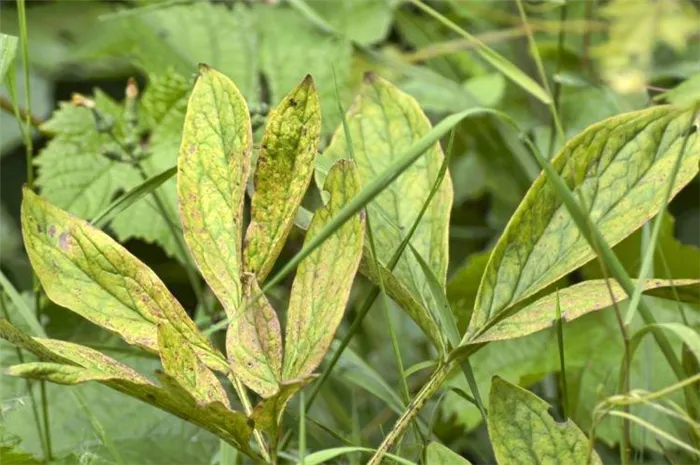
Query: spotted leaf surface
[213,166]
[282,175]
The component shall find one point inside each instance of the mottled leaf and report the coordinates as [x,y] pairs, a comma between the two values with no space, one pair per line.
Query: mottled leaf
[267,415]
[254,341]
[621,167]
[83,269]
[181,362]
[213,169]
[56,373]
[282,175]
[523,432]
[322,285]
[384,123]
[437,454]
[577,301]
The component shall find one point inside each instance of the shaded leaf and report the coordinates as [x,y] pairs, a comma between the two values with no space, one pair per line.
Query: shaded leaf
[362,21]
[384,123]
[463,287]
[438,454]
[523,432]
[621,167]
[323,456]
[284,168]
[577,301]
[56,373]
[267,415]
[322,285]
[213,169]
[8,51]
[254,341]
[689,336]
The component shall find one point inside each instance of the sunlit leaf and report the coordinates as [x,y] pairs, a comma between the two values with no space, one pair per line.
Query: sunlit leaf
[621,167]
[522,430]
[213,169]
[322,285]
[282,175]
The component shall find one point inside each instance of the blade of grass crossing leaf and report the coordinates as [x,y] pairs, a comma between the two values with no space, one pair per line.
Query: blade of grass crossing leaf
[685,333]
[21,306]
[562,361]
[474,387]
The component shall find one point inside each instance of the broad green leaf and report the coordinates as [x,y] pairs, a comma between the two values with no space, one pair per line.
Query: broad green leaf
[621,168]
[323,456]
[384,123]
[284,168]
[688,335]
[463,287]
[438,454]
[522,430]
[213,169]
[577,301]
[8,51]
[267,415]
[254,341]
[83,269]
[322,285]
[362,21]
[180,361]
[684,93]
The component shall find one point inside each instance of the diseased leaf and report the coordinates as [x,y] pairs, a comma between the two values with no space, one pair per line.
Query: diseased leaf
[438,454]
[282,175]
[181,363]
[384,123]
[83,269]
[462,288]
[254,341]
[621,167]
[523,432]
[56,373]
[8,51]
[578,300]
[322,285]
[267,415]
[213,169]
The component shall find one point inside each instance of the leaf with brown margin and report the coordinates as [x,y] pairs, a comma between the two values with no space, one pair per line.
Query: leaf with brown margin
[577,301]
[523,432]
[384,123]
[180,362]
[621,167]
[282,175]
[267,415]
[322,285]
[254,341]
[83,269]
[213,166]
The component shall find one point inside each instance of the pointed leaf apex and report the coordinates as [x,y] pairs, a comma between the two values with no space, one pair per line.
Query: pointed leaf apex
[370,77]
[203,68]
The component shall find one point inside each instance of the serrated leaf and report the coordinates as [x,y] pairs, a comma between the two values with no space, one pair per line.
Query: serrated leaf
[437,454]
[577,301]
[322,285]
[523,432]
[213,169]
[384,123]
[254,341]
[8,51]
[181,362]
[621,168]
[267,415]
[83,269]
[282,175]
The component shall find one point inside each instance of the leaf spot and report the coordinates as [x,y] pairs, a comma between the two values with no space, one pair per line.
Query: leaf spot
[64,241]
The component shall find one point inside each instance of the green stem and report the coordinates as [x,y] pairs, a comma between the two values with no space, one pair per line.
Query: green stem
[248,409]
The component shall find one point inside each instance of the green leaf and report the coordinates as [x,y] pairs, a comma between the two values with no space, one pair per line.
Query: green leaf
[523,432]
[56,373]
[267,415]
[463,287]
[254,341]
[83,269]
[213,169]
[384,123]
[323,456]
[688,335]
[322,285]
[282,175]
[362,21]
[438,454]
[577,301]
[180,361]
[8,51]
[621,167]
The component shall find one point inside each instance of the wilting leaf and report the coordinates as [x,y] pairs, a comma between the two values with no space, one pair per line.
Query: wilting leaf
[213,169]
[578,300]
[384,123]
[523,432]
[254,341]
[83,269]
[322,284]
[268,413]
[282,175]
[181,362]
[621,167]
[438,454]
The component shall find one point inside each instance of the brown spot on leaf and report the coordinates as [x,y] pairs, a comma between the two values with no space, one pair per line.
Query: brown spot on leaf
[52,231]
[192,149]
[64,241]
[292,102]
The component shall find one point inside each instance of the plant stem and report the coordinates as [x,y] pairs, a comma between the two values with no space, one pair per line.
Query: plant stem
[23,114]
[248,409]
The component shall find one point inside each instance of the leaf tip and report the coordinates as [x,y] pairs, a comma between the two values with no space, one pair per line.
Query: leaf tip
[204,68]
[370,77]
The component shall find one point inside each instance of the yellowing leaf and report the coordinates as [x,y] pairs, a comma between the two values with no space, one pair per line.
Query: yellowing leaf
[577,301]
[437,454]
[213,169]
[384,123]
[56,373]
[322,285]
[181,362]
[523,432]
[267,415]
[254,341]
[621,167]
[282,175]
